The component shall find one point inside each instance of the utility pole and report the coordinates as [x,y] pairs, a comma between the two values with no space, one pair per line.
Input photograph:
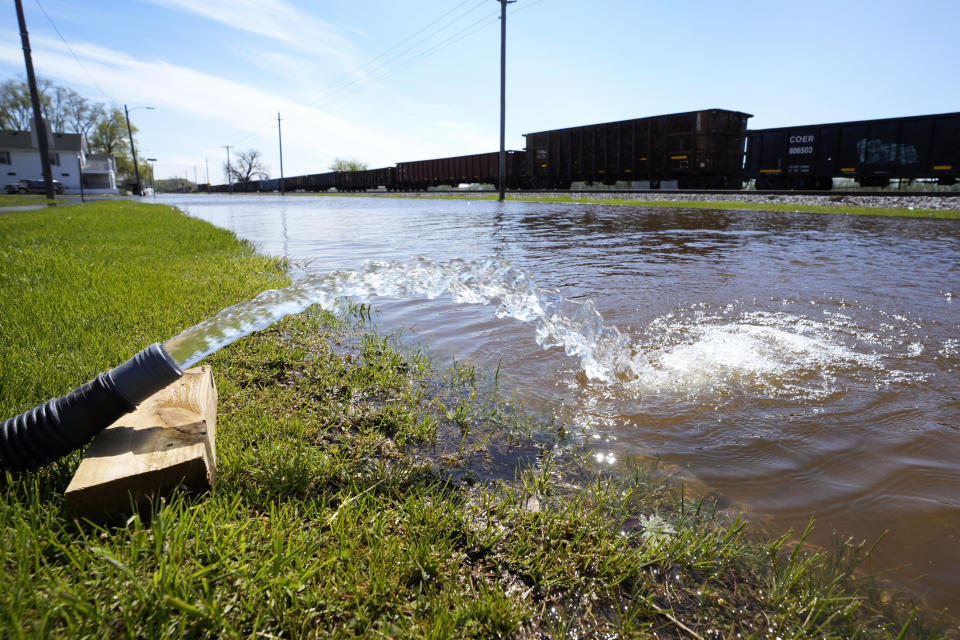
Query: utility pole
[38,124]
[280,138]
[503,96]
[229,172]
[133,150]
[207,163]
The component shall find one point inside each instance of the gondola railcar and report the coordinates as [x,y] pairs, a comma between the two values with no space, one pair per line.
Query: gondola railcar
[872,152]
[366,179]
[477,168]
[698,149]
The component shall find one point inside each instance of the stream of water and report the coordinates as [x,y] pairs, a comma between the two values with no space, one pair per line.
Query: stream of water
[793,364]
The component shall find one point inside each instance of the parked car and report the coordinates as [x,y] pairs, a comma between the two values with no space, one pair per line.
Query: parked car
[32,186]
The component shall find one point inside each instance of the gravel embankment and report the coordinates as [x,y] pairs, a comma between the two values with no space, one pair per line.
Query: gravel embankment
[879,200]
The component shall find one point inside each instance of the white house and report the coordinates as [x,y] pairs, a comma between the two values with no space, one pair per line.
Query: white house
[99,174]
[20,159]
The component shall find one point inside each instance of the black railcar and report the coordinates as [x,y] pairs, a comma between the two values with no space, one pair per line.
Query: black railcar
[483,168]
[697,149]
[870,151]
[319,181]
[366,179]
[293,183]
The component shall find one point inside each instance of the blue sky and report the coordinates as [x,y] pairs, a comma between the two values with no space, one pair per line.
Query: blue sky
[218,71]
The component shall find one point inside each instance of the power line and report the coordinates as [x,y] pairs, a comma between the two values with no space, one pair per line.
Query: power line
[371,62]
[437,47]
[70,49]
[334,90]
[467,32]
[459,36]
[525,6]
[443,44]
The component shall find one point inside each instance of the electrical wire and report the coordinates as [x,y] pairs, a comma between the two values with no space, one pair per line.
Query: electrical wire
[467,32]
[370,63]
[336,90]
[459,36]
[524,7]
[70,49]
[451,40]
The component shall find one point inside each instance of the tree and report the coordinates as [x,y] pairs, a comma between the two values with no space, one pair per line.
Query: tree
[247,166]
[16,111]
[82,114]
[344,164]
[109,137]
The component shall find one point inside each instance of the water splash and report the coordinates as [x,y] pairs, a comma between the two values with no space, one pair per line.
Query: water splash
[701,351]
[576,327]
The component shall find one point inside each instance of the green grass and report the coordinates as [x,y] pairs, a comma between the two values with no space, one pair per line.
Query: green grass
[7,200]
[362,490]
[947,214]
[752,206]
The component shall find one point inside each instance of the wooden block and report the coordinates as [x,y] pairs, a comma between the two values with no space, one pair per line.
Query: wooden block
[168,441]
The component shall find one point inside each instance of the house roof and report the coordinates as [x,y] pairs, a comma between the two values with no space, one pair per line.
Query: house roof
[23,140]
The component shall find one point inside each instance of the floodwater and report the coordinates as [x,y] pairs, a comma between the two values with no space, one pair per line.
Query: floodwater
[793,364]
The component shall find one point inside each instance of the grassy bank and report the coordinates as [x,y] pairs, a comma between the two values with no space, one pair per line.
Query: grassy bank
[363,491]
[749,206]
[19,200]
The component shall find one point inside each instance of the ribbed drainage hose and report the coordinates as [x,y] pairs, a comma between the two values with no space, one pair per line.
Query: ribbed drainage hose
[59,426]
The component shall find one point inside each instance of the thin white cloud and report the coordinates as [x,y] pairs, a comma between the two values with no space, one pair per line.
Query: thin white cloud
[273,19]
[240,114]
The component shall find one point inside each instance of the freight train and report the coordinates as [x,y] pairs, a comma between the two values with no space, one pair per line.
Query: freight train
[707,149]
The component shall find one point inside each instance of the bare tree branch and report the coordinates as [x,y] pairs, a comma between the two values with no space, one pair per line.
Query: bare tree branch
[247,166]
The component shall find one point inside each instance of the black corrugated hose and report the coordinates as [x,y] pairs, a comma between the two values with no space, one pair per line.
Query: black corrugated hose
[57,427]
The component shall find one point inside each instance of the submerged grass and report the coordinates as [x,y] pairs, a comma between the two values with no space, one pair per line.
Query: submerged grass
[362,492]
[901,212]
[726,205]
[20,200]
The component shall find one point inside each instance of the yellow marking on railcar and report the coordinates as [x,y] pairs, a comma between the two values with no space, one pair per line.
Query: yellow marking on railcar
[770,171]
[678,157]
[848,169]
[601,170]
[543,166]
[942,167]
[643,159]
[628,170]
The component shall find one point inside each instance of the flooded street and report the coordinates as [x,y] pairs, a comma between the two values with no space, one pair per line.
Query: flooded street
[793,364]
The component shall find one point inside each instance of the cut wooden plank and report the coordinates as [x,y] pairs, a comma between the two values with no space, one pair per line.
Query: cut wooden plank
[167,442]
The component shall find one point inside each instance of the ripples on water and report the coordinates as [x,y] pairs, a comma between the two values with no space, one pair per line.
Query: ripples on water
[793,363]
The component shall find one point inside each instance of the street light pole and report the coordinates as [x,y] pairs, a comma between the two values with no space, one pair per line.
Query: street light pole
[152,171]
[133,149]
[503,96]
